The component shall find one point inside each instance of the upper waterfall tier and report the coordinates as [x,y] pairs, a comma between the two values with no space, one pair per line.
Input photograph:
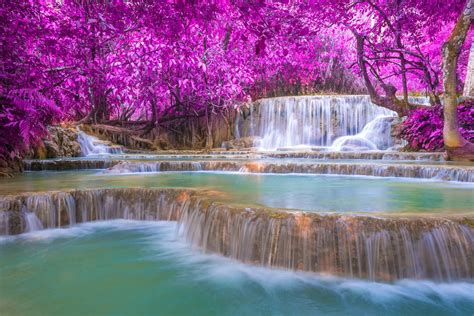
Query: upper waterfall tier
[91,145]
[317,121]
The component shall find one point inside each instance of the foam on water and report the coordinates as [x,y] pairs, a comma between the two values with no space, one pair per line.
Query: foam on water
[92,146]
[309,293]
[165,243]
[308,121]
[374,136]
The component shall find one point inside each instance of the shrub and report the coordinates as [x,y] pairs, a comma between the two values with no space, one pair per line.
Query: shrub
[423,129]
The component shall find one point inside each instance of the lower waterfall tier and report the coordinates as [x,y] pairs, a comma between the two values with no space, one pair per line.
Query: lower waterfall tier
[376,248]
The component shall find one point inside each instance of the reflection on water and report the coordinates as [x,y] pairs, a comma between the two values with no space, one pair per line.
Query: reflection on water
[135,268]
[305,192]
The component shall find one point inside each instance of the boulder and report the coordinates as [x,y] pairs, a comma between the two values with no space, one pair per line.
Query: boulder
[60,142]
[9,166]
[52,149]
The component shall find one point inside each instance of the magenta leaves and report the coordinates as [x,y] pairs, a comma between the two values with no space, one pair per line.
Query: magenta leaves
[169,62]
[423,129]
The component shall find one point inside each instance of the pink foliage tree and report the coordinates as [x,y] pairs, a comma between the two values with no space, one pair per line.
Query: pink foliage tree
[168,64]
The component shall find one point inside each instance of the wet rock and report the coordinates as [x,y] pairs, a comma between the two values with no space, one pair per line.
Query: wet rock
[52,149]
[60,164]
[372,155]
[10,165]
[451,173]
[240,143]
[397,141]
[60,142]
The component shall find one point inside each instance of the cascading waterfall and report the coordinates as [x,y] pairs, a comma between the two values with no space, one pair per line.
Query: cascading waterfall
[372,155]
[24,212]
[91,145]
[376,248]
[375,135]
[68,164]
[4,222]
[312,120]
[355,246]
[32,222]
[440,172]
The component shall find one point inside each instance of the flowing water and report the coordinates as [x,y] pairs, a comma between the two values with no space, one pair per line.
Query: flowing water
[415,237]
[304,192]
[141,268]
[91,146]
[376,248]
[32,222]
[315,121]
[375,135]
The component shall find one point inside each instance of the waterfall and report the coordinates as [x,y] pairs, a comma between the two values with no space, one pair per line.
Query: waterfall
[375,135]
[91,145]
[376,248]
[354,246]
[4,222]
[68,164]
[309,121]
[440,172]
[32,222]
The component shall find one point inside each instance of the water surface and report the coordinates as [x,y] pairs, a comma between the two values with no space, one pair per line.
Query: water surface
[142,268]
[304,192]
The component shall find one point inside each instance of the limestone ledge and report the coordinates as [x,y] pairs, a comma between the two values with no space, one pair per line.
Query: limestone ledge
[380,247]
[422,171]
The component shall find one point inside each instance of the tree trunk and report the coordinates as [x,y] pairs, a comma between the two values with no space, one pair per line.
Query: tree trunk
[457,148]
[469,83]
[390,100]
[209,139]
[154,118]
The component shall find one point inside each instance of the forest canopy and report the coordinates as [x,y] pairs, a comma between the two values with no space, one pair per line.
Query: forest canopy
[160,63]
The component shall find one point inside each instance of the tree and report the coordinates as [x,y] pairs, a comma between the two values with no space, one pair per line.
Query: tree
[186,66]
[469,82]
[457,147]
[395,45]
[26,103]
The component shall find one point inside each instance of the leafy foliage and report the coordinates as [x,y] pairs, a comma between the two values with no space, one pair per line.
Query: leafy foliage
[165,63]
[423,129]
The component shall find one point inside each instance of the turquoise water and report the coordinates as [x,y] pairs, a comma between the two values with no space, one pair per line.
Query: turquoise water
[142,268]
[304,192]
[254,157]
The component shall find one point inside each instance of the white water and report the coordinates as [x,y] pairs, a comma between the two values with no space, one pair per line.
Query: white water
[4,223]
[32,222]
[313,120]
[375,135]
[320,121]
[91,145]
[165,248]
